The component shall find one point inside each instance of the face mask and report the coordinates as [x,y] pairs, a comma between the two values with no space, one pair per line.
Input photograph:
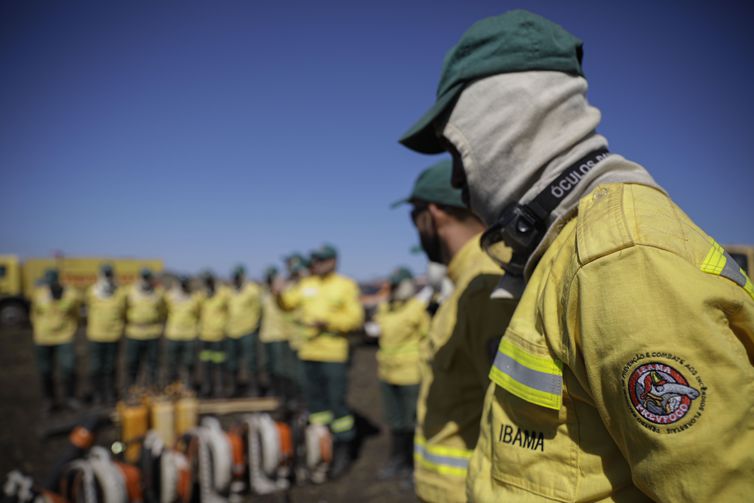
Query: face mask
[428,238]
[403,291]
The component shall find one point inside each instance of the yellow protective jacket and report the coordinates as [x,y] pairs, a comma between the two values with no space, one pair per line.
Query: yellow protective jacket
[290,302]
[54,321]
[334,301]
[183,315]
[403,326]
[626,373]
[456,358]
[106,315]
[145,313]
[274,327]
[214,316]
[244,310]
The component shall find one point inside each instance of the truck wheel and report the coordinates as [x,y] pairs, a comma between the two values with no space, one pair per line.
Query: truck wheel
[12,314]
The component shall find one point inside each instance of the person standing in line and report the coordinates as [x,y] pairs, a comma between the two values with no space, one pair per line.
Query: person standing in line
[212,331]
[106,320]
[181,331]
[55,318]
[330,309]
[463,335]
[626,372]
[274,337]
[145,320]
[244,314]
[401,324]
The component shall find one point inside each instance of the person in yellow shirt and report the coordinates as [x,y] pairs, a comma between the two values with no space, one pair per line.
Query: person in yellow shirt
[54,318]
[330,309]
[463,334]
[106,320]
[145,318]
[213,326]
[626,372]
[402,323]
[274,337]
[287,293]
[244,314]
[181,330]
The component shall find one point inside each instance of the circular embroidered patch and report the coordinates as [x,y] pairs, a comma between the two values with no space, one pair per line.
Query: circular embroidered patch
[660,395]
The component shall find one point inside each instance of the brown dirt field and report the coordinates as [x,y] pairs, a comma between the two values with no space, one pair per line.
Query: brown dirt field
[23,446]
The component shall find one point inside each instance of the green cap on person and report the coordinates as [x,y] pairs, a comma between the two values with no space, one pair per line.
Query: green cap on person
[106,269]
[517,41]
[52,276]
[239,270]
[433,186]
[400,274]
[324,252]
[270,273]
[145,273]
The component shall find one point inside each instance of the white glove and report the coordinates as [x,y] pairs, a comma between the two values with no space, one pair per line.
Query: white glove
[372,329]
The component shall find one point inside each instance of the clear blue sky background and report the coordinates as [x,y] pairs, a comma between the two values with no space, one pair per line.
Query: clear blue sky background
[211,133]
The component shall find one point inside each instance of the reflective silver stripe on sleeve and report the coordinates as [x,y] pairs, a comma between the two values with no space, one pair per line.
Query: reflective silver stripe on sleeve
[541,381]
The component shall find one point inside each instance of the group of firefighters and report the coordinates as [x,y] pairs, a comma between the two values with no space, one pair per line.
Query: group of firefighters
[596,345]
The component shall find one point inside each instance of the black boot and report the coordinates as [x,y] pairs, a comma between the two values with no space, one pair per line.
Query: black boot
[48,395]
[407,453]
[71,402]
[341,459]
[206,387]
[396,462]
[252,387]
[232,380]
[108,389]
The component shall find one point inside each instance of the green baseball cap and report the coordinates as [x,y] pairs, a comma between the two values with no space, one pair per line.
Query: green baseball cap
[325,252]
[517,41]
[239,270]
[270,272]
[433,186]
[399,275]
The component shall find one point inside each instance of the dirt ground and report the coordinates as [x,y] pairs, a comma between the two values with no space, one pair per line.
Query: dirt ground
[26,447]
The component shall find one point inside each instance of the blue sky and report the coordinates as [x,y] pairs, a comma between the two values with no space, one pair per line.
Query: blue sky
[213,133]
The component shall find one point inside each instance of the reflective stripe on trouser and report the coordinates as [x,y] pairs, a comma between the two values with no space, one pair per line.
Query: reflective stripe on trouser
[720,263]
[325,388]
[441,459]
[212,352]
[536,378]
[323,417]
[342,424]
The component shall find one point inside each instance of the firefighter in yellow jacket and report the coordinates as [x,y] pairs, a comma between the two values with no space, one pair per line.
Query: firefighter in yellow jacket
[181,331]
[273,335]
[402,323]
[462,338]
[244,314]
[330,309]
[626,372]
[212,331]
[286,294]
[106,320]
[54,318]
[145,319]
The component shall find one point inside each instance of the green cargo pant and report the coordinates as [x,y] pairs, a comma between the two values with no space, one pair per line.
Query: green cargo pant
[245,347]
[102,358]
[399,404]
[140,354]
[325,391]
[180,355]
[63,353]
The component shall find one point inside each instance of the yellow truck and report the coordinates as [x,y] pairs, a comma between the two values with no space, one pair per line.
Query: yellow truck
[18,279]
